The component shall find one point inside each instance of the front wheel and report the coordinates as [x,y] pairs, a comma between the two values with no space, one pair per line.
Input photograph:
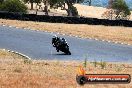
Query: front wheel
[67,50]
[68,53]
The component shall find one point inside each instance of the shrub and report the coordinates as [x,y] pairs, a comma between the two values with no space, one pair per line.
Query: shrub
[102,64]
[85,62]
[27,61]
[95,63]
[13,6]
[118,68]
[18,70]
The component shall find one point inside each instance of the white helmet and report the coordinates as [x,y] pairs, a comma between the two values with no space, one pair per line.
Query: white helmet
[54,36]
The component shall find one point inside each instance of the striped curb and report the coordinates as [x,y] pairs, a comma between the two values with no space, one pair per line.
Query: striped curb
[10,26]
[75,36]
[20,54]
[17,27]
[3,25]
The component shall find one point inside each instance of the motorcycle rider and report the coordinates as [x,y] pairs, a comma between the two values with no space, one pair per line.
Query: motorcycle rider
[57,41]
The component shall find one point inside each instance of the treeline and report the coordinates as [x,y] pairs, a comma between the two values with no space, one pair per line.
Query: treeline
[117,9]
[61,19]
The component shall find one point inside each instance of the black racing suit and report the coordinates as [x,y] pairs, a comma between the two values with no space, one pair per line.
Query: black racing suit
[57,42]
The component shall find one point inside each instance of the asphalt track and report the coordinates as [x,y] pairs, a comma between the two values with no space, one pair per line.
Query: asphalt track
[37,45]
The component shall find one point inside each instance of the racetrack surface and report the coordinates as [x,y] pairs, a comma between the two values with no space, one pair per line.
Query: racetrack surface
[37,45]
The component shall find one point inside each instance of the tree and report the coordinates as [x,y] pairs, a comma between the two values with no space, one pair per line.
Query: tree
[1,1]
[13,6]
[121,9]
[110,2]
[117,9]
[78,1]
[88,1]
[32,1]
[71,10]
[37,2]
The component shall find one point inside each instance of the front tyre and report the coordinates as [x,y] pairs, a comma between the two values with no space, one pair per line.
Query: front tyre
[68,53]
[67,50]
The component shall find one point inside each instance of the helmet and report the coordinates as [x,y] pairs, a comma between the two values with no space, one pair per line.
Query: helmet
[54,36]
[63,39]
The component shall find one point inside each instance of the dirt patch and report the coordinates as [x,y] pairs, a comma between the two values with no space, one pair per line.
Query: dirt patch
[112,33]
[92,11]
[15,72]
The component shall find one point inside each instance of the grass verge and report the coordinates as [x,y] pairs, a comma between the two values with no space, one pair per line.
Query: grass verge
[15,72]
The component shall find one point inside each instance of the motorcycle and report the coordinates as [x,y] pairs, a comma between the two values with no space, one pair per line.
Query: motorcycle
[61,45]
